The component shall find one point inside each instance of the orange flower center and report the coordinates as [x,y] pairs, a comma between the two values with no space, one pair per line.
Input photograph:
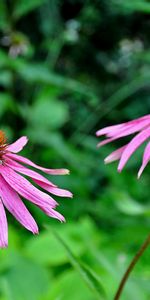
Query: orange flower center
[2,143]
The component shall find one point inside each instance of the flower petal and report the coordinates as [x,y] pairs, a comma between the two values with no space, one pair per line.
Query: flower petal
[38,178]
[54,190]
[132,146]
[126,130]
[53,214]
[146,159]
[18,145]
[109,129]
[115,155]
[27,161]
[3,227]
[22,169]
[16,207]
[113,130]
[30,192]
[22,186]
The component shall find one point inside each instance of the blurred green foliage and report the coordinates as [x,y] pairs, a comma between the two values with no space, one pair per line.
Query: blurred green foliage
[67,68]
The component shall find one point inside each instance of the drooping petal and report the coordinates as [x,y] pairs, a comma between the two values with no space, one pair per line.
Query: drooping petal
[111,131]
[146,159]
[16,207]
[53,214]
[54,190]
[22,169]
[125,131]
[132,146]
[18,145]
[132,128]
[22,186]
[3,227]
[38,178]
[27,161]
[115,155]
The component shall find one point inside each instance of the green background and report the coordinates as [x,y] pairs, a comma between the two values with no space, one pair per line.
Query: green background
[68,68]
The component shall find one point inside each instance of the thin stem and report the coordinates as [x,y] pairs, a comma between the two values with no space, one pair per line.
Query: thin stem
[131,266]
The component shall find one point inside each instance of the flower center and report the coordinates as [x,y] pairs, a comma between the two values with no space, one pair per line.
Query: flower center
[2,145]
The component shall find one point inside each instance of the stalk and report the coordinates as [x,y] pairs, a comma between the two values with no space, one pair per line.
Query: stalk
[131,266]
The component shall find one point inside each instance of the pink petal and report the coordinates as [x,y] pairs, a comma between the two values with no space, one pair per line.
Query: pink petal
[31,193]
[3,227]
[111,131]
[146,159]
[126,130]
[132,146]
[54,190]
[26,189]
[53,214]
[25,160]
[16,207]
[38,178]
[115,155]
[21,169]
[18,145]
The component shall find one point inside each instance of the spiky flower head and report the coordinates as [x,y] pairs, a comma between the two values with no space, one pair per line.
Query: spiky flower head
[13,185]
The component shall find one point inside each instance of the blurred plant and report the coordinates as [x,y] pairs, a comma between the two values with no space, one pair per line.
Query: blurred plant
[17,44]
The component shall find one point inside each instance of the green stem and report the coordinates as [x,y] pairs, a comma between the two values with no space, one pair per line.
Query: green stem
[131,266]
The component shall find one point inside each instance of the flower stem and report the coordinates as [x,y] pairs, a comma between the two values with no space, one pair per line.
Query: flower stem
[131,266]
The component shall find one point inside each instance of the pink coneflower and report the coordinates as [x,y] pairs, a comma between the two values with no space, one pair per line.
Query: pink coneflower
[112,133]
[13,185]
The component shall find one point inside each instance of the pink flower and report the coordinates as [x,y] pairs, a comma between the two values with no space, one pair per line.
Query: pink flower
[141,126]
[13,185]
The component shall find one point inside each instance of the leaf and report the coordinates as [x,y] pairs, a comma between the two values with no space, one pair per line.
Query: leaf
[5,78]
[86,273]
[25,280]
[3,16]
[5,103]
[65,287]
[54,253]
[129,206]
[40,74]
[134,5]
[55,113]
[23,7]
[4,59]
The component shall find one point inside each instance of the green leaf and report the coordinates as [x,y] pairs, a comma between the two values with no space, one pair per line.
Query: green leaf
[5,78]
[4,59]
[25,280]
[39,74]
[4,25]
[54,253]
[129,206]
[23,7]
[134,5]
[89,277]
[5,103]
[55,113]
[65,287]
